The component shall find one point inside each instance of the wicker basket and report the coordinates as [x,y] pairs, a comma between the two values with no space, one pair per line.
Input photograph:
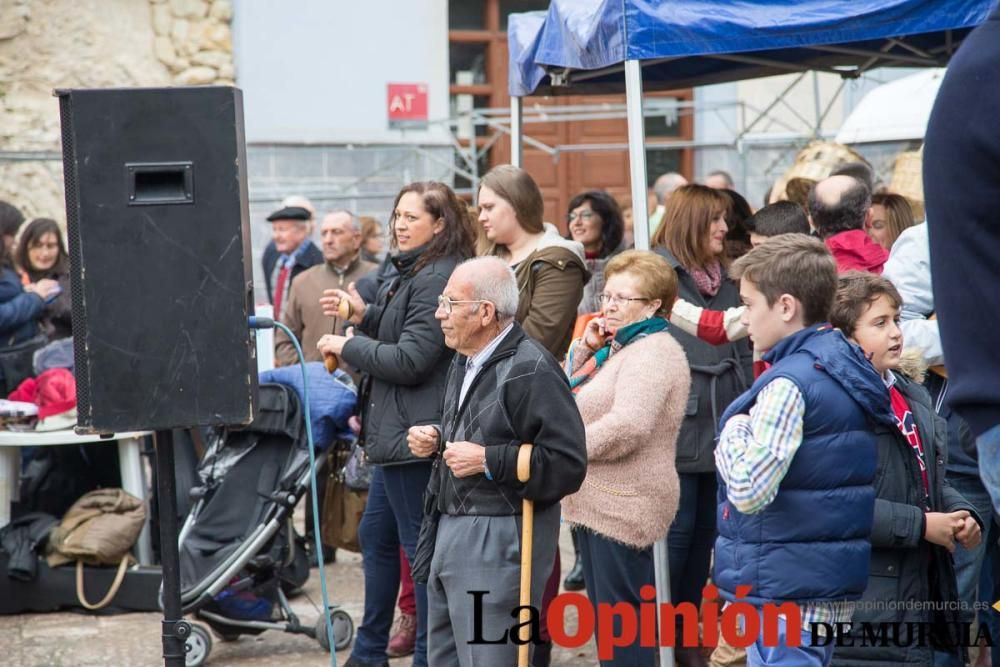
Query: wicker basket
[813,163]
[907,180]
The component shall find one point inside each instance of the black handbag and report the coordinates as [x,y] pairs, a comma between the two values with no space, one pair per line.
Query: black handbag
[420,568]
[17,362]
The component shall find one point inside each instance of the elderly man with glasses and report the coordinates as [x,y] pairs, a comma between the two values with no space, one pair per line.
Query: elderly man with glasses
[504,389]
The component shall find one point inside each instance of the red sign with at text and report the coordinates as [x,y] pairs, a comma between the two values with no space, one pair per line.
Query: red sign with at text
[407,103]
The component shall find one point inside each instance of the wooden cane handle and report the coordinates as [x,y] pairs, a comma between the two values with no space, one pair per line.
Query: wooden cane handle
[330,361]
[345,310]
[527,547]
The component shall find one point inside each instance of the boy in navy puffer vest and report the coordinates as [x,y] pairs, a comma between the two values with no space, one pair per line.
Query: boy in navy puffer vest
[796,456]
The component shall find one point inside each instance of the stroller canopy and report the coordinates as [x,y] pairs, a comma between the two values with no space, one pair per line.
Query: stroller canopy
[579,45]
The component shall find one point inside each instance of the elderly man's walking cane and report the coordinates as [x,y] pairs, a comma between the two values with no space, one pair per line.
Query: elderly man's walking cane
[527,537]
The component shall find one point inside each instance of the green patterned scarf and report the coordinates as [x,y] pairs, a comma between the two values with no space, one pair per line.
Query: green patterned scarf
[627,334]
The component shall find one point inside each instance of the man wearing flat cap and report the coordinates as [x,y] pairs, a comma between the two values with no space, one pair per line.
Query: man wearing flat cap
[290,253]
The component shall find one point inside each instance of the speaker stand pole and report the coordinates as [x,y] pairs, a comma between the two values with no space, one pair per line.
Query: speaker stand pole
[175,628]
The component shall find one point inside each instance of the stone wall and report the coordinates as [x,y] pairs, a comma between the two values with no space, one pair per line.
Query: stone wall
[49,44]
[194,41]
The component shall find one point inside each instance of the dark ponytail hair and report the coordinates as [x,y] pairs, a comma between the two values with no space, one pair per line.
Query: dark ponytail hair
[457,239]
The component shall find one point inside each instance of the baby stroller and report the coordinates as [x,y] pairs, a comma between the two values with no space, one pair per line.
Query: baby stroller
[238,556]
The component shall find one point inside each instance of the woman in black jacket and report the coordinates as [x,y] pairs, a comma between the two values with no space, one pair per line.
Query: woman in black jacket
[399,347]
[41,254]
[691,237]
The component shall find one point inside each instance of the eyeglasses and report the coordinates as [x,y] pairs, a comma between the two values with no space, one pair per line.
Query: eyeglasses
[447,304]
[583,215]
[619,301]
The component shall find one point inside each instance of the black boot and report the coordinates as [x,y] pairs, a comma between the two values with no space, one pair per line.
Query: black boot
[574,580]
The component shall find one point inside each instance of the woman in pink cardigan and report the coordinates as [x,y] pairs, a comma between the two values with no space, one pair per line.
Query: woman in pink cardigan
[631,382]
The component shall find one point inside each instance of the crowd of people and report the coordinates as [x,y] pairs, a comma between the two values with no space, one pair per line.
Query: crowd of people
[764,390]
[754,389]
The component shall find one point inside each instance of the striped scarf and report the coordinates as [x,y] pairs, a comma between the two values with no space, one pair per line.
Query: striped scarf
[627,334]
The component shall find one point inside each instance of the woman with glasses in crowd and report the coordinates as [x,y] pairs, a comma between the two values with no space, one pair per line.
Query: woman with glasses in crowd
[595,221]
[691,237]
[398,345]
[631,383]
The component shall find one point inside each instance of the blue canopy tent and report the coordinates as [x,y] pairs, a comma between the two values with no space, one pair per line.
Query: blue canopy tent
[600,46]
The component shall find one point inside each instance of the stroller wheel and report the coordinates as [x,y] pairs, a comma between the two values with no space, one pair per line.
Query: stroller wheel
[343,629]
[197,647]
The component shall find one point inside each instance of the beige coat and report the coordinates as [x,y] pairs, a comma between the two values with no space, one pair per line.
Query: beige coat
[303,314]
[632,408]
[550,284]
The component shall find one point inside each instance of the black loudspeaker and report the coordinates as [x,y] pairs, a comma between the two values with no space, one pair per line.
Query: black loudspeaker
[159,241]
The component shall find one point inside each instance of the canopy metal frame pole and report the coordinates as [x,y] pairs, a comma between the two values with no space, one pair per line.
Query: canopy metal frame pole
[661,579]
[640,214]
[516,132]
[637,152]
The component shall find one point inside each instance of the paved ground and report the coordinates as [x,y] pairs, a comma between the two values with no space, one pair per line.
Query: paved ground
[69,639]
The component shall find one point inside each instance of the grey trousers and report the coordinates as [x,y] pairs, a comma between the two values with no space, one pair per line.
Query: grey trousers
[483,553]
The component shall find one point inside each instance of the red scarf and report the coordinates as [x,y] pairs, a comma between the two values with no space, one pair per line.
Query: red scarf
[708,279]
[908,427]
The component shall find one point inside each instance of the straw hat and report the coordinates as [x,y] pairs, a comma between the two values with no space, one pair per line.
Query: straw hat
[907,180]
[813,163]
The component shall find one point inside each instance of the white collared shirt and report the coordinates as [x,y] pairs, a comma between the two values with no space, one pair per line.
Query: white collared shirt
[475,363]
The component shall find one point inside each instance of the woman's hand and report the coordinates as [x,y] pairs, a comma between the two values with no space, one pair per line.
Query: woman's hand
[331,344]
[942,527]
[595,336]
[422,440]
[331,299]
[44,288]
[465,458]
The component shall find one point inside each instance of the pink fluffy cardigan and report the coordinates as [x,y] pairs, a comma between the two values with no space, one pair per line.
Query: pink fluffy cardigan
[633,408]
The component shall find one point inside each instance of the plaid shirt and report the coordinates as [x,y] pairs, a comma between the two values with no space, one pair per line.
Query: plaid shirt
[753,457]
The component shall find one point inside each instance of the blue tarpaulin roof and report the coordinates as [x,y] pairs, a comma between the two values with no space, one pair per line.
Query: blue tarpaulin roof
[695,42]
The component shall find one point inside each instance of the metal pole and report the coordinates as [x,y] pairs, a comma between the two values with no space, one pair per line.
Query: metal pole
[130,464]
[637,154]
[817,105]
[175,629]
[640,216]
[661,577]
[516,132]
